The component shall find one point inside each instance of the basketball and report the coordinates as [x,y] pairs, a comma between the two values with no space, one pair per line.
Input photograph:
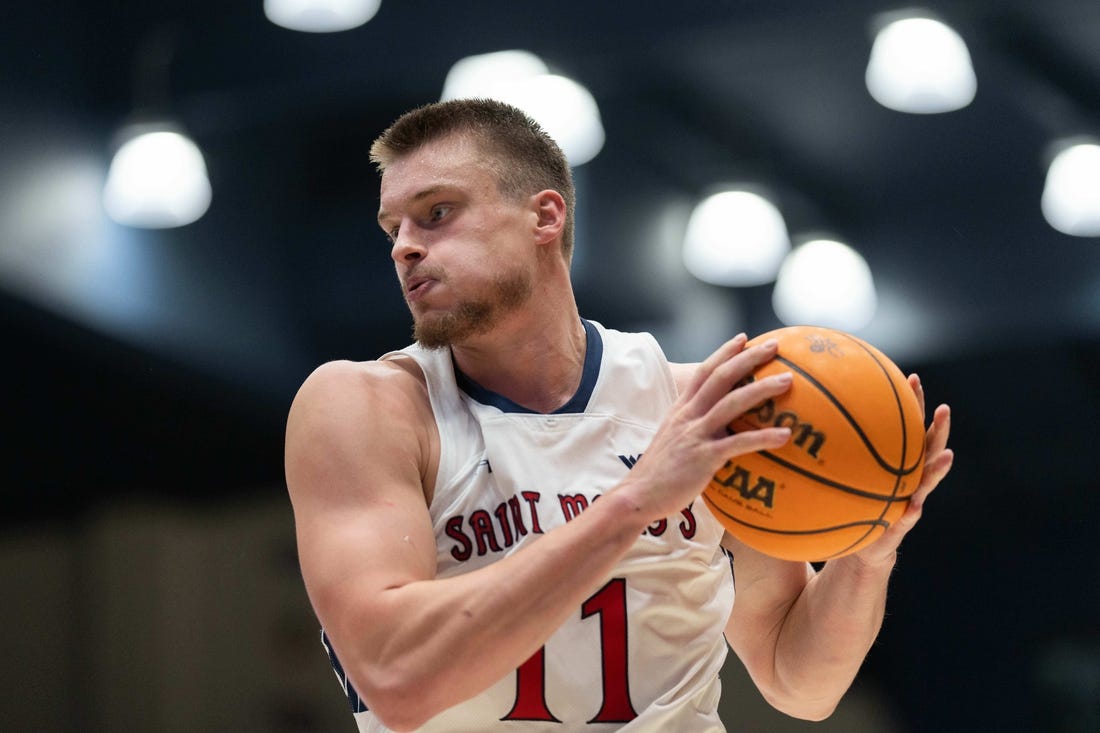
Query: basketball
[855,455]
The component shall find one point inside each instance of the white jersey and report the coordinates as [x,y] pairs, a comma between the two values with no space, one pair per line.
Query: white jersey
[642,653]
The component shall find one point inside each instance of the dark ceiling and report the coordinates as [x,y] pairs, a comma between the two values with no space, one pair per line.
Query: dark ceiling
[163,362]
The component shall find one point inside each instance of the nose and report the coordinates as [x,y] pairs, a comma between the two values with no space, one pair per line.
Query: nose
[407,248]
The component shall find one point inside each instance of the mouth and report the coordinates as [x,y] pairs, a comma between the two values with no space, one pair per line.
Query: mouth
[417,285]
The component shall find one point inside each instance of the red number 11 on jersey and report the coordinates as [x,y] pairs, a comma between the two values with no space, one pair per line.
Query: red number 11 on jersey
[609,603]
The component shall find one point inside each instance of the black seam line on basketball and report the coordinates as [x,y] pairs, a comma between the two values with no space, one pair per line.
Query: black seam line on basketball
[892,496]
[819,530]
[852,546]
[904,447]
[869,524]
[897,402]
[851,420]
[904,444]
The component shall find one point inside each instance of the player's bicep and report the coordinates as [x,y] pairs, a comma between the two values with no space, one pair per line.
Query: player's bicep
[353,467]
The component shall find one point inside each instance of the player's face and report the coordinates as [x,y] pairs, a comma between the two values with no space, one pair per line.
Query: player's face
[458,243]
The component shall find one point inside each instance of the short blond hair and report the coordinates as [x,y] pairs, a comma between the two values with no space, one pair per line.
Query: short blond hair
[522,156]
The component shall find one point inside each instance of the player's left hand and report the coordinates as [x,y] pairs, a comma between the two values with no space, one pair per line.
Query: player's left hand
[937,462]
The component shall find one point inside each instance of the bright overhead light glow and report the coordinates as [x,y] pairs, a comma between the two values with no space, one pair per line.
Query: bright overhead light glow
[921,66]
[735,238]
[825,283]
[320,16]
[1071,195]
[563,107]
[473,76]
[157,180]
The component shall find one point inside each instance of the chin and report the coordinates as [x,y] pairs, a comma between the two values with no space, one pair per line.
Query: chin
[450,329]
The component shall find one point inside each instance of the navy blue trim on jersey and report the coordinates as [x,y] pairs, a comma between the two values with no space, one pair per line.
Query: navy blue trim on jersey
[356,702]
[578,403]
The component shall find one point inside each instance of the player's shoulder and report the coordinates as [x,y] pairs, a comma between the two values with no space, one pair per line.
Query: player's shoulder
[349,378]
[392,388]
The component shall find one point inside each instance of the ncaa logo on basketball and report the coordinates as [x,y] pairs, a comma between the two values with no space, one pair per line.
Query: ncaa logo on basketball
[751,489]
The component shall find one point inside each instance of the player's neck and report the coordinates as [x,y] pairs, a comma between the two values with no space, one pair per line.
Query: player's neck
[535,362]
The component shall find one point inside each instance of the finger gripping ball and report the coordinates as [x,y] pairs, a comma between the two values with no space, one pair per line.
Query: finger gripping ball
[855,455]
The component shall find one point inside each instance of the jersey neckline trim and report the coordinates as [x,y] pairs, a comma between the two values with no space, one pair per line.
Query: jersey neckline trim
[593,357]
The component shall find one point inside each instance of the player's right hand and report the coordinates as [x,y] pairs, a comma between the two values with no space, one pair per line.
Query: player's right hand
[694,441]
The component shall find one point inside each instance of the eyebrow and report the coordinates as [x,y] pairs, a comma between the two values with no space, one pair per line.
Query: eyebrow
[418,196]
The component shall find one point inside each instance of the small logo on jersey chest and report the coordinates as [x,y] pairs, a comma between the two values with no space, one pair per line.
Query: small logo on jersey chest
[630,460]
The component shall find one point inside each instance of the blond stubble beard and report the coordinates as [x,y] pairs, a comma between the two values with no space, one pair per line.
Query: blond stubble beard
[474,317]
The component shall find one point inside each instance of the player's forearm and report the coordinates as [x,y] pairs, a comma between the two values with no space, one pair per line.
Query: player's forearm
[827,635]
[449,639]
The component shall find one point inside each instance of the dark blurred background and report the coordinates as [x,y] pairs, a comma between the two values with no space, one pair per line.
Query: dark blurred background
[149,571]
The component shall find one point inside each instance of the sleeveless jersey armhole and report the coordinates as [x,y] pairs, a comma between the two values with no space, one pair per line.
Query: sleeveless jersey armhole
[443,396]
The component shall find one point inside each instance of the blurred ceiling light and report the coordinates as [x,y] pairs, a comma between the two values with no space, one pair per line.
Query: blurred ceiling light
[564,108]
[1071,195]
[320,16]
[921,66]
[825,283]
[157,179]
[735,238]
[473,75]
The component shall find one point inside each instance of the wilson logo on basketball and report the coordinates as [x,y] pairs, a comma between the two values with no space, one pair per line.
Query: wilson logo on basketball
[803,434]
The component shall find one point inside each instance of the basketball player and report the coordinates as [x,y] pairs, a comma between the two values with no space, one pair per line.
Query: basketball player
[500,527]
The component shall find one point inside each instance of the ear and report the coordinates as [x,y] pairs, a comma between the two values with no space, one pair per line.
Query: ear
[549,208]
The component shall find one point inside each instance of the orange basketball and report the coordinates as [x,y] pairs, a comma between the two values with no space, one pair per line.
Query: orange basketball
[856,451]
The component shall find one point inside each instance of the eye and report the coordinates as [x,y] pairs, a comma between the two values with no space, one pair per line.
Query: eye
[438,212]
[392,234]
